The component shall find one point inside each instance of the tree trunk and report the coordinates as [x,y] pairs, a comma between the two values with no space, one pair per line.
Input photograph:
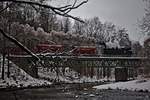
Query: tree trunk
[8,66]
[3,67]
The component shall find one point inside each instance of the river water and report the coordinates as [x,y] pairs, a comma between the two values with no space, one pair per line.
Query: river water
[65,92]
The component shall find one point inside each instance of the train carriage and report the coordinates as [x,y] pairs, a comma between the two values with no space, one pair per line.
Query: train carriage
[84,50]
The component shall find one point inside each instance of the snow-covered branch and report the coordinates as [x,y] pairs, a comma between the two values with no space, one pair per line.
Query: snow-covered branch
[19,44]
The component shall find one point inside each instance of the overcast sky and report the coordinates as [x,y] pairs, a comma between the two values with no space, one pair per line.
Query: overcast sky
[123,13]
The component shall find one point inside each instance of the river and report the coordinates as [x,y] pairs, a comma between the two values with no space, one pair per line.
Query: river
[72,92]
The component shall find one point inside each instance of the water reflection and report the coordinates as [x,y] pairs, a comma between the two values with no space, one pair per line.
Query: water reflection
[66,94]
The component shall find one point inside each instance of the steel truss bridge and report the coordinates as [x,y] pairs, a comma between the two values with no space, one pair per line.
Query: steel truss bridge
[86,61]
[80,61]
[89,61]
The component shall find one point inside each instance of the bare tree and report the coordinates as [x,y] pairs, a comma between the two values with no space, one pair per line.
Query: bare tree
[62,11]
[37,4]
[66,25]
[78,28]
[145,28]
[145,22]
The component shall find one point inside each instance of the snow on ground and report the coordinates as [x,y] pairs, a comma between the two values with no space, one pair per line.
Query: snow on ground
[135,85]
[19,78]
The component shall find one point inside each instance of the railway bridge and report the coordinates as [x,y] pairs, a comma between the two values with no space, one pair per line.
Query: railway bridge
[77,62]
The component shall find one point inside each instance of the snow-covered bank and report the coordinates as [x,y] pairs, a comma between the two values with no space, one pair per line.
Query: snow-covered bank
[19,78]
[9,82]
[135,85]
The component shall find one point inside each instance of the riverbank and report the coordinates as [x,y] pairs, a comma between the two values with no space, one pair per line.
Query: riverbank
[135,85]
[60,86]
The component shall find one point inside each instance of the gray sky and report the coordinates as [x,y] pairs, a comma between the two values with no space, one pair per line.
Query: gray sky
[123,13]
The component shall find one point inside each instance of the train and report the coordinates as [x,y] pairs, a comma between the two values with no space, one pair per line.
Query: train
[54,48]
[74,50]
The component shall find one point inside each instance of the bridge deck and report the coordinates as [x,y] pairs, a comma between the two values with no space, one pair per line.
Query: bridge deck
[82,57]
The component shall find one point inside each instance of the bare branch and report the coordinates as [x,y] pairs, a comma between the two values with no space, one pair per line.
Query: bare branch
[75,7]
[64,7]
[5,8]
[62,11]
[80,4]
[19,44]
[71,7]
[34,8]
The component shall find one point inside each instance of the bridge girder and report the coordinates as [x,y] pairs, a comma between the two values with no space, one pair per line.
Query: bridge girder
[99,61]
[86,61]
